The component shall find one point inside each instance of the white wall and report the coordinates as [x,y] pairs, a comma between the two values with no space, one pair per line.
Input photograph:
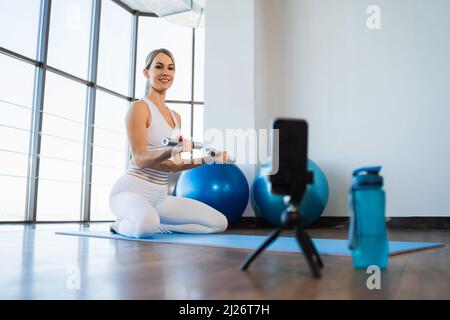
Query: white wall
[370,97]
[229,70]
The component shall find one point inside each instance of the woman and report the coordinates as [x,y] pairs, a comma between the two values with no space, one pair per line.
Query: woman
[139,198]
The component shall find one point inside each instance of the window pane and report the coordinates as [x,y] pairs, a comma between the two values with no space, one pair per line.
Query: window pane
[59,191]
[110,153]
[198,122]
[58,200]
[13,196]
[100,197]
[155,33]
[198,127]
[19,22]
[16,82]
[68,47]
[114,47]
[16,98]
[184,110]
[199,76]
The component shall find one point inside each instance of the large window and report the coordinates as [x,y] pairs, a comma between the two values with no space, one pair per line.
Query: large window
[74,121]
[16,98]
[61,153]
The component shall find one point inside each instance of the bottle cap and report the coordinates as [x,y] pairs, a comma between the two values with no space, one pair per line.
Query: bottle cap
[367,177]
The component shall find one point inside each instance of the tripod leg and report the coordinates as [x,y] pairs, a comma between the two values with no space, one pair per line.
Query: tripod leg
[314,250]
[266,243]
[308,251]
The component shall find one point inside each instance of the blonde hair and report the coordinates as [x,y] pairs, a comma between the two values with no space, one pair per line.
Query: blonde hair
[148,62]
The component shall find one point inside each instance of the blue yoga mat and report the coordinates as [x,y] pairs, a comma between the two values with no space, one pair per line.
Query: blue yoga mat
[285,244]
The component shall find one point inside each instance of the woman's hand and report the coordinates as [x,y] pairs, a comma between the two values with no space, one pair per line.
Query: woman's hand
[186,145]
[223,157]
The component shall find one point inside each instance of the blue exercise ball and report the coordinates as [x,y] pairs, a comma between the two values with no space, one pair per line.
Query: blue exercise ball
[221,186]
[271,206]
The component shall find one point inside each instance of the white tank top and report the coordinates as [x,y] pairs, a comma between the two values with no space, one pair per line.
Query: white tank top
[156,132]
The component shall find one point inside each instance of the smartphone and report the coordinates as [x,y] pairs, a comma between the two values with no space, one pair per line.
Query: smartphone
[289,157]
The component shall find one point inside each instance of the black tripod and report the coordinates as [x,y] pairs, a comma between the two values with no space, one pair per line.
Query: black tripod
[292,218]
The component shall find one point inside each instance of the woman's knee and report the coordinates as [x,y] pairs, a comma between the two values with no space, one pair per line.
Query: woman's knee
[142,218]
[221,223]
[215,220]
[147,225]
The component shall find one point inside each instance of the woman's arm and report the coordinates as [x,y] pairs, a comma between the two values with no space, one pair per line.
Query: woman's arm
[135,122]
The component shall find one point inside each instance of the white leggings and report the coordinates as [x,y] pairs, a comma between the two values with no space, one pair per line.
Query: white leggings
[143,208]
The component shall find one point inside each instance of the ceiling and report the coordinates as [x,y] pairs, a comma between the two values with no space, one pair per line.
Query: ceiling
[188,13]
[164,7]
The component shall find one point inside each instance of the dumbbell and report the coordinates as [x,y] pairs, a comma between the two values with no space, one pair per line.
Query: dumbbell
[173,142]
[196,145]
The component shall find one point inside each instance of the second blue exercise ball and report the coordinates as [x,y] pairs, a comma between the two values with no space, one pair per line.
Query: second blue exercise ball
[271,206]
[221,186]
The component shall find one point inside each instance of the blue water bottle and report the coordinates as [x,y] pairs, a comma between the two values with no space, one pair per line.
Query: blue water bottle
[367,235]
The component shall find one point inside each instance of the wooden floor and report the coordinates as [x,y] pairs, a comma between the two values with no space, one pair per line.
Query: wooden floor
[37,264]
